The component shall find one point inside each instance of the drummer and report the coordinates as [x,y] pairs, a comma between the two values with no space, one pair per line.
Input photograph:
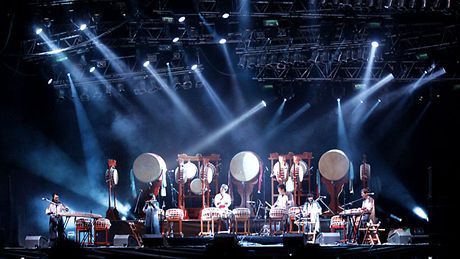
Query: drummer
[285,199]
[223,200]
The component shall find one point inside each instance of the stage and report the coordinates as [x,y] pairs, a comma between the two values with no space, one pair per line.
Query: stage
[226,245]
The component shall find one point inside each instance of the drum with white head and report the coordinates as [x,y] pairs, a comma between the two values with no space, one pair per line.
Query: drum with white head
[245,166]
[190,170]
[334,164]
[299,170]
[209,170]
[149,167]
[196,186]
[281,171]
[180,176]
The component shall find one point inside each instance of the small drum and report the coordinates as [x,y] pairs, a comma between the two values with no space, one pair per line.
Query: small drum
[196,186]
[299,170]
[149,167]
[294,212]
[180,176]
[337,222]
[241,213]
[83,224]
[277,213]
[190,170]
[225,213]
[210,170]
[102,223]
[211,213]
[174,214]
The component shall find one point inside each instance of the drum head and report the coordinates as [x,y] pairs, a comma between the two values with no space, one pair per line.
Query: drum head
[301,168]
[148,167]
[115,176]
[244,166]
[334,165]
[190,170]
[210,170]
[195,186]
[176,175]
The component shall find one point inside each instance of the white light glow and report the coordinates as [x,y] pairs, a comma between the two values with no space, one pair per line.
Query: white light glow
[83,27]
[92,69]
[225,15]
[195,66]
[222,41]
[181,19]
[146,63]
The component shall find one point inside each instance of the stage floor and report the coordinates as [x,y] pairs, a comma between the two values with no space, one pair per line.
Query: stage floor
[225,245]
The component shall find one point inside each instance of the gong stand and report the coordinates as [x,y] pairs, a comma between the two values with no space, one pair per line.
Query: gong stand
[297,194]
[214,159]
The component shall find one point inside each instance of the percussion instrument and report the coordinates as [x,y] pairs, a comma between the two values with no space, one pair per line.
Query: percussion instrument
[241,213]
[245,166]
[211,213]
[337,222]
[149,167]
[180,178]
[190,170]
[277,213]
[352,212]
[281,172]
[334,165]
[102,223]
[294,212]
[299,170]
[209,169]
[225,213]
[196,186]
[174,214]
[83,223]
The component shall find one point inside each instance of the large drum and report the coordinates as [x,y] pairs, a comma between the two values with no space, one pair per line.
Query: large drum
[149,167]
[174,214]
[189,171]
[211,213]
[245,166]
[277,213]
[294,212]
[196,186]
[241,213]
[299,170]
[334,165]
[208,171]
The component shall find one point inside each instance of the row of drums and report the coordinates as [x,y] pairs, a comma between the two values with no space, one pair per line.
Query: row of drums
[245,166]
[150,167]
[237,213]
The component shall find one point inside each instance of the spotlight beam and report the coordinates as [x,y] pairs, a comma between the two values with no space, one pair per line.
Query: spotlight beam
[221,132]
[183,108]
[287,121]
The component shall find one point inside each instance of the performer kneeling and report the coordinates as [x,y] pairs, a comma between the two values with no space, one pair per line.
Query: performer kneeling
[312,210]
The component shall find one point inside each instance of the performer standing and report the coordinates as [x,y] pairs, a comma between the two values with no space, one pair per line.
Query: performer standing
[312,210]
[152,221]
[56,223]
[365,172]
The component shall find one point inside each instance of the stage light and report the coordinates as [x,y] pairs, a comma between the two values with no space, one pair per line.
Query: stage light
[374,44]
[68,74]
[264,103]
[50,81]
[194,66]
[222,41]
[167,63]
[91,70]
[38,31]
[284,100]
[181,19]
[225,15]
[83,27]
[395,217]
[420,212]
[378,100]
[338,100]
[361,101]
[176,39]
[146,63]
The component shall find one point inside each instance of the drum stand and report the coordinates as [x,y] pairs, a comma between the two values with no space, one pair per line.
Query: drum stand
[265,230]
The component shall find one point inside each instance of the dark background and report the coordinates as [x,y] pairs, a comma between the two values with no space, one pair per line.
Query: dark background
[42,150]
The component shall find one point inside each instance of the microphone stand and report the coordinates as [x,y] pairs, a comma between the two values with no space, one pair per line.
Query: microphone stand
[137,201]
[322,202]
